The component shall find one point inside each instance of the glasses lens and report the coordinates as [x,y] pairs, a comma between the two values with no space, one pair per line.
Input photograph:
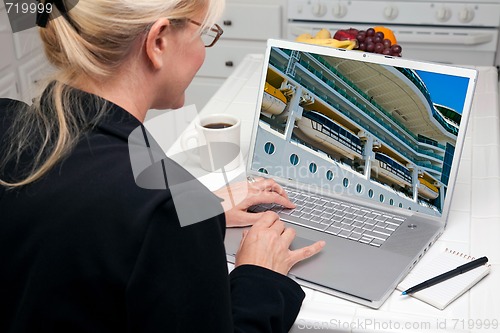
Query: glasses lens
[208,36]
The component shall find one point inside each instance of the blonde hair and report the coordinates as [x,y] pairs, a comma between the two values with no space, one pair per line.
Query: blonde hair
[96,42]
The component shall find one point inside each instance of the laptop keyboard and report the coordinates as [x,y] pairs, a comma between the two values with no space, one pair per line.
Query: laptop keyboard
[341,219]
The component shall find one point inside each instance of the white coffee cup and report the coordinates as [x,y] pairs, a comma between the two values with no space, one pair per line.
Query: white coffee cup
[217,139]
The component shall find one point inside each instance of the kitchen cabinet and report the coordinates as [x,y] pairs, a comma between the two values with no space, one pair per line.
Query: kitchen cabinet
[8,78]
[23,65]
[247,26]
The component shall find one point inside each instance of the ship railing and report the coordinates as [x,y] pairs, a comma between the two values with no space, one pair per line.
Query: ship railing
[362,107]
[419,84]
[394,167]
[319,74]
[334,131]
[430,166]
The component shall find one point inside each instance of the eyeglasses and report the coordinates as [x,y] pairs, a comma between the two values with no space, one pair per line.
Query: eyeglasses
[211,35]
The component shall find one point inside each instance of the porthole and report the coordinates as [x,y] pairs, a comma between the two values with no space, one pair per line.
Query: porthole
[391,202]
[294,159]
[400,205]
[345,182]
[269,148]
[370,193]
[382,198]
[263,170]
[359,188]
[329,175]
[313,167]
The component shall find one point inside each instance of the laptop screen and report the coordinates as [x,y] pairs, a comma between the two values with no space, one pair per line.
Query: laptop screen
[380,129]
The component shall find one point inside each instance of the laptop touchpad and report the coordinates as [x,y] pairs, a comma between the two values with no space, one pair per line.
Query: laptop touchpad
[300,242]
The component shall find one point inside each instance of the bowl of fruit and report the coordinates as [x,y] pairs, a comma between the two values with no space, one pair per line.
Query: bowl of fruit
[378,39]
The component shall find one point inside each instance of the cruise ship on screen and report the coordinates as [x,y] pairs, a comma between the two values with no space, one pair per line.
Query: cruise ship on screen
[371,129]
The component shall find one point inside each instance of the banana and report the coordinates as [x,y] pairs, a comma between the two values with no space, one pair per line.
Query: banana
[353,44]
[323,37]
[344,44]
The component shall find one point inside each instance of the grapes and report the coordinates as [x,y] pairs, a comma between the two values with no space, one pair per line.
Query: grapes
[373,41]
[396,49]
[379,47]
[361,37]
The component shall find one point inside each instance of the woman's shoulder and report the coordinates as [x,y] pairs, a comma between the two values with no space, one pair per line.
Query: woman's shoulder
[8,108]
[7,103]
[107,166]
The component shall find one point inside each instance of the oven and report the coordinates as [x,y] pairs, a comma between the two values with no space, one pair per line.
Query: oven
[448,31]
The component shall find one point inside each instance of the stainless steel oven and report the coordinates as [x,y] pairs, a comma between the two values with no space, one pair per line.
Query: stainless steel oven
[449,31]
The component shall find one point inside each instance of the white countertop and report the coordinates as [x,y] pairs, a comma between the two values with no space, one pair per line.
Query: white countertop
[473,228]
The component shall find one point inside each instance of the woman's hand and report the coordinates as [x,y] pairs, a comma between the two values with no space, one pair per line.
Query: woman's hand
[241,196]
[267,244]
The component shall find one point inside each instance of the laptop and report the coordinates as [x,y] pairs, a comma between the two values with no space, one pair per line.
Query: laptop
[368,147]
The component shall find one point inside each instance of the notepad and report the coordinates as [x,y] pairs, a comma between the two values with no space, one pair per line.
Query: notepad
[442,294]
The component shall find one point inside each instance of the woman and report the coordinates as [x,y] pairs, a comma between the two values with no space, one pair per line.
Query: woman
[83,248]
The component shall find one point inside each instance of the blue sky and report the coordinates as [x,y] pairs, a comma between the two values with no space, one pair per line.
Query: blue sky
[446,90]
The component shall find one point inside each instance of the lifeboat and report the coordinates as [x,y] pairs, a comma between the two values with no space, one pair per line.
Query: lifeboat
[318,128]
[273,101]
[426,189]
[388,168]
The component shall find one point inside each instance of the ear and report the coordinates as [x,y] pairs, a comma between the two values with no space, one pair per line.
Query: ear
[156,42]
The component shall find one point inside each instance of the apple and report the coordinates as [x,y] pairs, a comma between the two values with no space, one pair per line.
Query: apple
[346,34]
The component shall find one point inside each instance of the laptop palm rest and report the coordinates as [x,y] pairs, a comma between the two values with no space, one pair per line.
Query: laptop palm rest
[357,274]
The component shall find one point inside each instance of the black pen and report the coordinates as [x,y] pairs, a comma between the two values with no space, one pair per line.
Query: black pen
[445,276]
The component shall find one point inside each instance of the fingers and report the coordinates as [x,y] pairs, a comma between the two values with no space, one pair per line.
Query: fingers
[270,220]
[278,226]
[267,220]
[268,191]
[306,252]
[288,236]
[273,197]
[267,244]
[270,185]
[243,237]
[243,219]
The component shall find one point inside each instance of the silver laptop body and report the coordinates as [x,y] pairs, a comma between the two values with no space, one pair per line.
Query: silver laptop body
[363,141]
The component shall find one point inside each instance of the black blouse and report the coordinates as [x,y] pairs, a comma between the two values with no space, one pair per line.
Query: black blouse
[85,249]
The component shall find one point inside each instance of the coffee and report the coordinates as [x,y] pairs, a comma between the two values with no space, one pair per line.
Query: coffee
[217,125]
[217,139]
